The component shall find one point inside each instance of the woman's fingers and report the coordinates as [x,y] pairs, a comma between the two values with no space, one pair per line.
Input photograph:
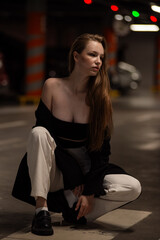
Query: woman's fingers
[75,191]
[85,204]
[78,204]
[83,207]
[78,190]
[82,188]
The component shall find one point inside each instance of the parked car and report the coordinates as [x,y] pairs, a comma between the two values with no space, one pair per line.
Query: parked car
[125,78]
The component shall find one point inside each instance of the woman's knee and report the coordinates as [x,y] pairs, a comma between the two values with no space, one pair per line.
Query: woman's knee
[135,189]
[40,136]
[122,187]
[38,132]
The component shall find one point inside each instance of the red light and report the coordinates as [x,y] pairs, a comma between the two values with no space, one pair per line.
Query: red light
[153,18]
[114,8]
[88,1]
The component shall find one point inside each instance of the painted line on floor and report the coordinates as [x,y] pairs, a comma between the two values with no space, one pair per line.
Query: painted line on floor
[154,145]
[106,227]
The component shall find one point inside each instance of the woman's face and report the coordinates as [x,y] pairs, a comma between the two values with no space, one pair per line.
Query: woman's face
[90,59]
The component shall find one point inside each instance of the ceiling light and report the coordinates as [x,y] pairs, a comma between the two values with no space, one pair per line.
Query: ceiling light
[127,18]
[118,17]
[144,27]
[135,13]
[155,8]
[153,18]
[114,8]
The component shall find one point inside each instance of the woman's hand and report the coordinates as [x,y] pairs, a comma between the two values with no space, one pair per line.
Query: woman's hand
[78,190]
[85,203]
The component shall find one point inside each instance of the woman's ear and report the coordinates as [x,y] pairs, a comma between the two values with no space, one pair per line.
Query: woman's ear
[75,56]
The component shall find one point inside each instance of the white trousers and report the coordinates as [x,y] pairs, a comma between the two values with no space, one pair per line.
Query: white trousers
[45,176]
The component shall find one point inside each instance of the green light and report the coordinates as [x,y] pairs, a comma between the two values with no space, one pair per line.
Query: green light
[135,13]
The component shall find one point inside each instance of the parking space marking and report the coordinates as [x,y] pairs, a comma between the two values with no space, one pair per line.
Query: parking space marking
[106,227]
[154,145]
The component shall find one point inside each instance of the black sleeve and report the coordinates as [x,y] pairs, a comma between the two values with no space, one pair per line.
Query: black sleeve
[99,164]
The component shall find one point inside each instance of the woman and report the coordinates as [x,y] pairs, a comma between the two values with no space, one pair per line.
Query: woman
[68,149]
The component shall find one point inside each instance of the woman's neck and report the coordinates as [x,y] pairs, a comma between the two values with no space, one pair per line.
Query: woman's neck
[78,82]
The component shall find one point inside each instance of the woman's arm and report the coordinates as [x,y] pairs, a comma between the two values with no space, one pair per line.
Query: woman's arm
[47,93]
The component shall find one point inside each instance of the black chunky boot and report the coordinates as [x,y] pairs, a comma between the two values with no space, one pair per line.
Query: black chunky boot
[41,224]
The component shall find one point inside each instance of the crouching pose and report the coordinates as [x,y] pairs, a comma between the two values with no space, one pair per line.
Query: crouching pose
[66,168]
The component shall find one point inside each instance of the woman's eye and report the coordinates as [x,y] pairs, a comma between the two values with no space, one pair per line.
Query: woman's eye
[92,54]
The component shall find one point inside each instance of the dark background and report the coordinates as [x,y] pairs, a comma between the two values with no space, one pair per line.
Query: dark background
[65,20]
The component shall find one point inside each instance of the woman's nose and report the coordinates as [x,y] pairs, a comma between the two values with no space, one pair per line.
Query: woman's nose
[98,60]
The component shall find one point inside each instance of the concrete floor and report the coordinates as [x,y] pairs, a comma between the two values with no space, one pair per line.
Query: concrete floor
[135,147]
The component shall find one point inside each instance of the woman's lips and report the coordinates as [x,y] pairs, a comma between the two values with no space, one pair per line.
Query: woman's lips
[95,68]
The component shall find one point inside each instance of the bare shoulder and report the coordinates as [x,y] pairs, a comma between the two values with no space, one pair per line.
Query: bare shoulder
[52,82]
[51,88]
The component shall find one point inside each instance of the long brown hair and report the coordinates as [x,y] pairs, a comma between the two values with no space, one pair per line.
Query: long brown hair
[98,97]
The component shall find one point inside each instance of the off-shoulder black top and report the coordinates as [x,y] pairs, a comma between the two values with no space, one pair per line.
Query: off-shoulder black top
[66,134]
[70,134]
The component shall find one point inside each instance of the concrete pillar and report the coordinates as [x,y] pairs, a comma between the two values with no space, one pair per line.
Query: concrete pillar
[35,62]
[112,42]
[112,46]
